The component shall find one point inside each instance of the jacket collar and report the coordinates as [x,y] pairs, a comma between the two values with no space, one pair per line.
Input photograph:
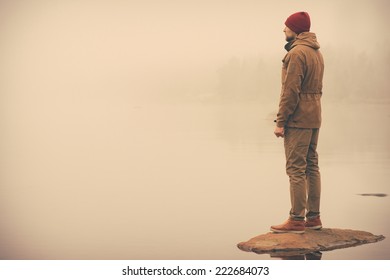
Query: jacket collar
[305,38]
[289,45]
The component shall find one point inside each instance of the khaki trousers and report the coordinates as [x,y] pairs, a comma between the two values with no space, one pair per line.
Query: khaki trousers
[300,146]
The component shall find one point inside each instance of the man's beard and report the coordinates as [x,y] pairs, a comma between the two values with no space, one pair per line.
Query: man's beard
[290,38]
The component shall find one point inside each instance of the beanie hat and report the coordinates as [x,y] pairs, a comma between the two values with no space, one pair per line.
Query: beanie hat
[298,22]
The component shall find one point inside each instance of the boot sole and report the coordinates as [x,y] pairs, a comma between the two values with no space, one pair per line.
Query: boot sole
[287,231]
[315,227]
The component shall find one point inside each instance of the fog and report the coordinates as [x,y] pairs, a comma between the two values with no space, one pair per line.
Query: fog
[120,118]
[169,50]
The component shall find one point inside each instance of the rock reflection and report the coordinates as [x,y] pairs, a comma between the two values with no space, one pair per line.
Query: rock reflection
[308,256]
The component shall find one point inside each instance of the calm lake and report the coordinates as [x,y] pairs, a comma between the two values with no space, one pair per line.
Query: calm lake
[127,180]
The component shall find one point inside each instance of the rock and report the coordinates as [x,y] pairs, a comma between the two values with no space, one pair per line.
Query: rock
[373,194]
[289,244]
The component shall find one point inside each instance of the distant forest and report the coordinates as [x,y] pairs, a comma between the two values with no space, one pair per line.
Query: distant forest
[349,76]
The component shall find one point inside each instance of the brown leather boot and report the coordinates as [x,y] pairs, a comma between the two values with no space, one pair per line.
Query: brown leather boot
[290,225]
[313,223]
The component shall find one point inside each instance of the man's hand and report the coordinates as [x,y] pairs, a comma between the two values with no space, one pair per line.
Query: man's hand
[279,132]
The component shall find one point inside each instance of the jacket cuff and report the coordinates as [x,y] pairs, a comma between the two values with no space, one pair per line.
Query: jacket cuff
[279,123]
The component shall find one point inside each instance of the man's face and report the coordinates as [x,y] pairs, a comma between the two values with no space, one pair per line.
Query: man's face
[290,35]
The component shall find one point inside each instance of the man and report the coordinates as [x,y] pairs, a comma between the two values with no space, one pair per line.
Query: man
[298,122]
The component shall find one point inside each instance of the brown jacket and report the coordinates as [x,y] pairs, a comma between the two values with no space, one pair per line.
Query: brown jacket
[302,72]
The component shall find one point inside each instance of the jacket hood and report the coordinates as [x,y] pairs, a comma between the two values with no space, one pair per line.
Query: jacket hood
[305,38]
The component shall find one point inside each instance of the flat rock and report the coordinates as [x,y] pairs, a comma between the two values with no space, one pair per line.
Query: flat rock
[289,244]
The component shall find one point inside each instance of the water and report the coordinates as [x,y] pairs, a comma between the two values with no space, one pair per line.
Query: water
[128,180]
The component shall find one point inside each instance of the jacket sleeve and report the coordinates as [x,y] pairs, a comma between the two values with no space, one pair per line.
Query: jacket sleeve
[291,88]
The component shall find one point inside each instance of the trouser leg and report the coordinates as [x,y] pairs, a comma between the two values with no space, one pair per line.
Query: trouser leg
[296,144]
[313,178]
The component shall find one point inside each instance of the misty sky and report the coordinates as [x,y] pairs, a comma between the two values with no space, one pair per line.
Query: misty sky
[130,45]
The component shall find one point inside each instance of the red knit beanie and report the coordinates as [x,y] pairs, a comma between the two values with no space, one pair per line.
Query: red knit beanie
[298,22]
